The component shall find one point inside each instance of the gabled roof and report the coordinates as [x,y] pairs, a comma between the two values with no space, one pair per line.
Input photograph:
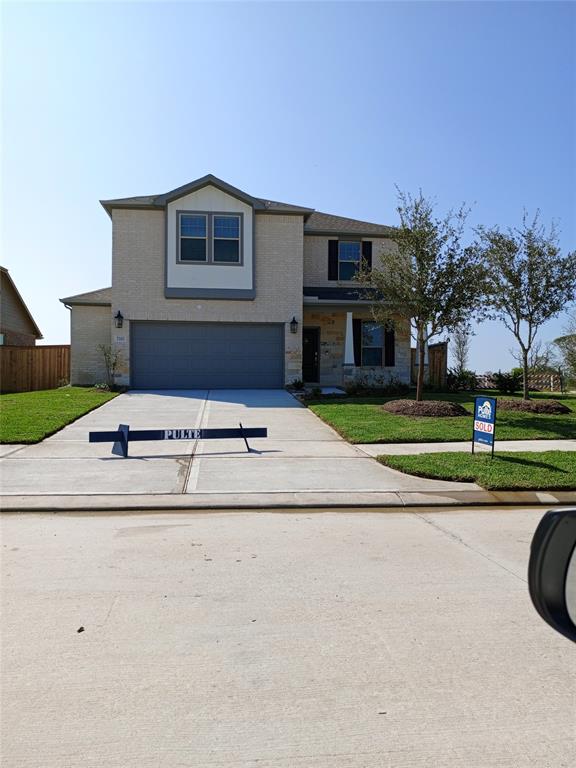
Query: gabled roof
[315,223]
[37,331]
[327,224]
[160,201]
[101,297]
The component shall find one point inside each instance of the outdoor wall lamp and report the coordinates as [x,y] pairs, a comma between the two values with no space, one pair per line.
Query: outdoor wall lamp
[118,319]
[294,325]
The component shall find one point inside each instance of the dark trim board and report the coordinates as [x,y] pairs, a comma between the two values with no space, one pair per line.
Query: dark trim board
[240,294]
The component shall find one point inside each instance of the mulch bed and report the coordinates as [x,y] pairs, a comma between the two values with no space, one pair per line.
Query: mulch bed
[534,406]
[425,408]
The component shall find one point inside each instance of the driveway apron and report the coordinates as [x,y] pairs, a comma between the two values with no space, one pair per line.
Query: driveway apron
[301,453]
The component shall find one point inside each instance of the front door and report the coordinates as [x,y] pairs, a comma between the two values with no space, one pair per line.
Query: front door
[311,355]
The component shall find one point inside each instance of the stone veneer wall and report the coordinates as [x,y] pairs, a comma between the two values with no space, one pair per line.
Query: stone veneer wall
[332,326]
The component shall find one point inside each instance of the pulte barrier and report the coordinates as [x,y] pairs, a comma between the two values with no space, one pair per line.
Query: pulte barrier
[124,435]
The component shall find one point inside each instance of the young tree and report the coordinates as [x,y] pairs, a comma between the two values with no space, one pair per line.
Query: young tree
[461,346]
[528,280]
[112,361]
[540,357]
[429,277]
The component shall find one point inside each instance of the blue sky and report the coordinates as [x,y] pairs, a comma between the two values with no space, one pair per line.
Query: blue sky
[327,105]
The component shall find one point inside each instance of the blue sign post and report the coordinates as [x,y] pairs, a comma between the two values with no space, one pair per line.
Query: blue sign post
[484,430]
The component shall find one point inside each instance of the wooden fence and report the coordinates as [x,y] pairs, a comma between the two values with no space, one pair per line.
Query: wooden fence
[23,369]
[437,368]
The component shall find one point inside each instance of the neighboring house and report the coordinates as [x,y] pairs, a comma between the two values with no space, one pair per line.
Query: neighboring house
[215,288]
[17,326]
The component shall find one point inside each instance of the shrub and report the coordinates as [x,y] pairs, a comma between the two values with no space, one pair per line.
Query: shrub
[316,391]
[507,383]
[376,386]
[113,359]
[297,384]
[458,381]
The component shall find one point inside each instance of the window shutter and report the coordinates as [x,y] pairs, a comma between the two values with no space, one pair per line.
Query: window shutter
[389,347]
[357,334]
[332,259]
[367,253]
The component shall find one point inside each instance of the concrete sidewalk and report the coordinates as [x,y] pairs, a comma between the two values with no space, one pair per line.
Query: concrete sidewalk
[407,449]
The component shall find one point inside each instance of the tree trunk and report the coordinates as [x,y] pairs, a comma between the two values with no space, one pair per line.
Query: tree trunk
[420,377]
[526,393]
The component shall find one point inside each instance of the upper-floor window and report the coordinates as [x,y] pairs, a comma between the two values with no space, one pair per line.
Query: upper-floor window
[209,238]
[226,247]
[348,259]
[193,237]
[345,257]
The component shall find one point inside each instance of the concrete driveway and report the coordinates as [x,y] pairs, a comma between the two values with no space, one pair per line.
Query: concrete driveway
[267,640]
[301,454]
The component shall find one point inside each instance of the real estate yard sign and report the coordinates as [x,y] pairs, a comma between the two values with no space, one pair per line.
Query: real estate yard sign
[484,421]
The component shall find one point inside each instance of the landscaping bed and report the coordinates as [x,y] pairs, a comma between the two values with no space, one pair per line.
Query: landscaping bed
[548,470]
[28,417]
[534,406]
[364,420]
[441,408]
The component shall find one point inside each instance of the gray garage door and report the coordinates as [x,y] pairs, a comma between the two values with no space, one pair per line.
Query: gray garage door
[207,355]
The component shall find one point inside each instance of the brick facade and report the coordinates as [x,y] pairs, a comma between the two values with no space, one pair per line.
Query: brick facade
[89,327]
[138,258]
[316,258]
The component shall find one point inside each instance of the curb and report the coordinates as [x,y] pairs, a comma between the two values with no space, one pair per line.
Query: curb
[205,502]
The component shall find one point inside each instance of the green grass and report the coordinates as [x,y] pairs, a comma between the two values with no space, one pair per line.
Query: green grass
[362,420]
[28,417]
[548,470]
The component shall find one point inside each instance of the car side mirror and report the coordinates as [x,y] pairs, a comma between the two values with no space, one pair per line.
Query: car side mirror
[552,571]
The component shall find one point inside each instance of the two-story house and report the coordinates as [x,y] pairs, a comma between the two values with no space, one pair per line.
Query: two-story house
[214,288]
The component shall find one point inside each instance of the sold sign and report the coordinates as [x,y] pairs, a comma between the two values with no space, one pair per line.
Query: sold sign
[484,421]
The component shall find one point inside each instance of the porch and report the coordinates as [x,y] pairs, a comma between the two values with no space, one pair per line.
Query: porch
[343,344]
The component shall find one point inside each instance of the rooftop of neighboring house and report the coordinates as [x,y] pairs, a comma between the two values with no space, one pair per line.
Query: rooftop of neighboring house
[8,285]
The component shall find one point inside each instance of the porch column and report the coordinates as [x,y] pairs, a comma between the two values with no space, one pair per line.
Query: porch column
[349,341]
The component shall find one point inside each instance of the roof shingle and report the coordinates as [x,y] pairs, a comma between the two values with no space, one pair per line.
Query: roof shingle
[327,223]
[102,296]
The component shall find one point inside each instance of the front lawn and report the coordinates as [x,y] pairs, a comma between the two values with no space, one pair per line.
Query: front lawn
[28,417]
[546,471]
[362,420]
